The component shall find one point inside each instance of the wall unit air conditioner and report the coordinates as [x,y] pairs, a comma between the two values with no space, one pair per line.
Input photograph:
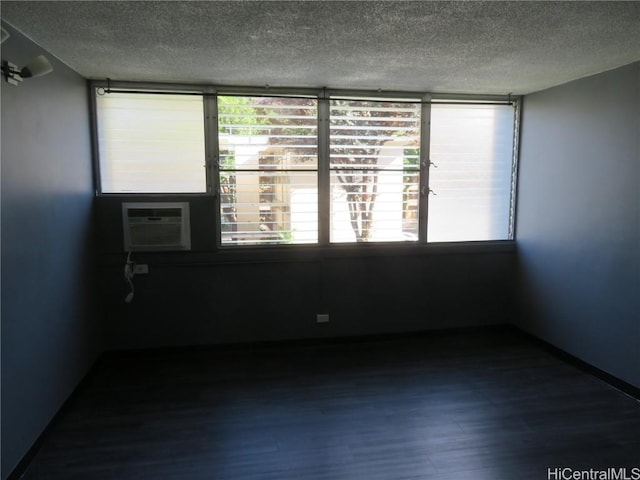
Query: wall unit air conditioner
[156,226]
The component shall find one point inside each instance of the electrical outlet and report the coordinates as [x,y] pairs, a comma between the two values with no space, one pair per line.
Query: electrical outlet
[323,318]
[141,269]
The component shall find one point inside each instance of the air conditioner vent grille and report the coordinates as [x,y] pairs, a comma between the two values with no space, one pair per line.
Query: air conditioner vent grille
[154,235]
[156,226]
[168,213]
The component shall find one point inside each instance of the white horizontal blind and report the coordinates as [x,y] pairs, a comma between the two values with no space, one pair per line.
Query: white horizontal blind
[151,143]
[374,170]
[471,152]
[268,170]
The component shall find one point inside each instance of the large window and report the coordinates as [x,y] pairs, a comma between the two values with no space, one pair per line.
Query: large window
[318,169]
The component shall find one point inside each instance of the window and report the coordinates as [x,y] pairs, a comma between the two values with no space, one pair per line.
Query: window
[374,160]
[470,179]
[151,143]
[268,170]
[306,168]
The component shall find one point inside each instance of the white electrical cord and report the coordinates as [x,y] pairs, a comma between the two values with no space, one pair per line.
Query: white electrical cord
[129,272]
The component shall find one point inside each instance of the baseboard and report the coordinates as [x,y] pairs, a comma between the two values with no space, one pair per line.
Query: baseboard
[611,380]
[313,341]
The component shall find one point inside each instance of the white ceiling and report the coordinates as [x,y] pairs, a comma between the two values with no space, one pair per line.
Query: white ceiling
[466,47]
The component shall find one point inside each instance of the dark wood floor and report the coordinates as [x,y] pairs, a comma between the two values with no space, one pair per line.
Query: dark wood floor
[465,405]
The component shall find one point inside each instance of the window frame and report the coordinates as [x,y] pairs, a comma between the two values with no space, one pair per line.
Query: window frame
[323,97]
[217,167]
[195,90]
[387,97]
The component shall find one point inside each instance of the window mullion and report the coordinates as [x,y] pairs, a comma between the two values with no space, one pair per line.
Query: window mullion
[324,189]
[211,140]
[97,174]
[425,163]
[212,146]
[514,169]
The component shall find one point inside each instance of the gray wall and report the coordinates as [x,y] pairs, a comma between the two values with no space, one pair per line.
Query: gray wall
[49,331]
[206,297]
[578,225]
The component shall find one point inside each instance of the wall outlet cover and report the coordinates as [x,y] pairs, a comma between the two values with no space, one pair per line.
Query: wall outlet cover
[141,269]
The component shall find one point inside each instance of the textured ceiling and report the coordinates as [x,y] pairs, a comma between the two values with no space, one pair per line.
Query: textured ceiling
[469,47]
